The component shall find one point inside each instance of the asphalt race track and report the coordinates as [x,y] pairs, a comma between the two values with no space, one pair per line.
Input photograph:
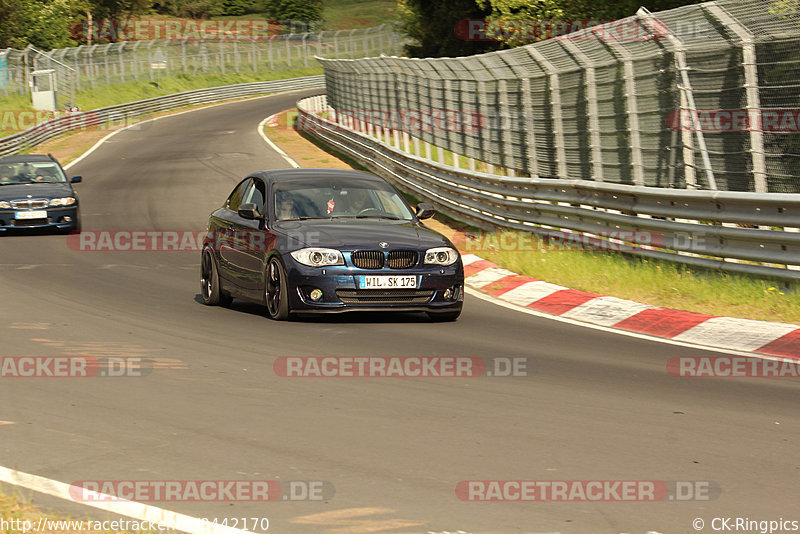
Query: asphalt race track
[600,406]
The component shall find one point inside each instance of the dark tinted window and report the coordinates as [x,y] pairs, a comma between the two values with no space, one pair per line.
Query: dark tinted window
[254,194]
[235,200]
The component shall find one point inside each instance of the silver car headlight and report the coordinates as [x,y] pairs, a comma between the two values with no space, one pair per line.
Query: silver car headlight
[441,256]
[65,201]
[5,205]
[318,257]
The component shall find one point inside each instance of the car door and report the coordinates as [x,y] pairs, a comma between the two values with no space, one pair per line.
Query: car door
[252,241]
[225,220]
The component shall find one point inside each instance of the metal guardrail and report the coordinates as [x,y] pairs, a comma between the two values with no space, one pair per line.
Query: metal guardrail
[713,229]
[702,96]
[121,113]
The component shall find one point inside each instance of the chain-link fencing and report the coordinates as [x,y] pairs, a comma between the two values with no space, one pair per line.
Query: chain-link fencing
[699,97]
[86,67]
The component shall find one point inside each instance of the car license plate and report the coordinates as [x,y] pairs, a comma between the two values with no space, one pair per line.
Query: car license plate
[31,215]
[387,282]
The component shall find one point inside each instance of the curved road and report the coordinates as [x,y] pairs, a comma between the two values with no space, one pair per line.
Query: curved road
[601,406]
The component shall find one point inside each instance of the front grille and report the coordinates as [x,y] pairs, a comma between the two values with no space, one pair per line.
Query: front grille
[384,296]
[367,259]
[29,204]
[402,259]
[30,222]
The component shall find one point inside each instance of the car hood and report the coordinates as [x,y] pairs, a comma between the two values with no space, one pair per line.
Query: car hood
[15,191]
[354,234]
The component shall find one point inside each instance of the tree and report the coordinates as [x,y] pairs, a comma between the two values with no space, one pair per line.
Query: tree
[195,9]
[519,22]
[305,11]
[441,28]
[243,7]
[42,23]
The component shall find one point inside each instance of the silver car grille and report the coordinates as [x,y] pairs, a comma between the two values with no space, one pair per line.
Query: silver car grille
[29,204]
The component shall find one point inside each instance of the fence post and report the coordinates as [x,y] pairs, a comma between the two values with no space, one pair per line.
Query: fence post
[645,17]
[122,60]
[555,101]
[750,68]
[632,106]
[591,102]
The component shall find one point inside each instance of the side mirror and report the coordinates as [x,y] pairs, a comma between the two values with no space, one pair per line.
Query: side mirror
[76,179]
[249,211]
[425,210]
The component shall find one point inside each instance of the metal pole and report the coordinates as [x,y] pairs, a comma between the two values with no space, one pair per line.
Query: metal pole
[646,18]
[632,107]
[555,101]
[750,68]
[591,101]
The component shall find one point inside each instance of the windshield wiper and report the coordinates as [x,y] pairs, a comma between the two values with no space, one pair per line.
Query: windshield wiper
[304,218]
[387,216]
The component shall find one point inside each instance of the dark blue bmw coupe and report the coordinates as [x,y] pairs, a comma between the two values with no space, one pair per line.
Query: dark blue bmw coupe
[328,240]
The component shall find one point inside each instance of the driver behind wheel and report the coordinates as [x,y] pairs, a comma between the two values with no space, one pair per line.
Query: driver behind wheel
[358,200]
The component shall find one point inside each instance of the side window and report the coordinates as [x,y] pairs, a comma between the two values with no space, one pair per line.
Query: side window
[235,200]
[255,195]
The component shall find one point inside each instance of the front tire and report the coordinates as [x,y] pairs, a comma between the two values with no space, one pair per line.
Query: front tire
[209,282]
[276,291]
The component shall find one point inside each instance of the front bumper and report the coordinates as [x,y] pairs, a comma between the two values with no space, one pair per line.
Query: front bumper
[341,294]
[57,218]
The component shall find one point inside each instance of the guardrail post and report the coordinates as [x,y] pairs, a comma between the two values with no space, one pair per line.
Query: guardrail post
[555,102]
[749,64]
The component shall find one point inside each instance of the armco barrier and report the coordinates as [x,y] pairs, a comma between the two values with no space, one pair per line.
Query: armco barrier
[123,112]
[755,233]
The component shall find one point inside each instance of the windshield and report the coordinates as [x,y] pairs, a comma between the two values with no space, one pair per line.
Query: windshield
[332,199]
[31,172]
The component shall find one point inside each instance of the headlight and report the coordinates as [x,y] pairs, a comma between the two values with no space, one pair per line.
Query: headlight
[5,205]
[318,257]
[66,201]
[441,256]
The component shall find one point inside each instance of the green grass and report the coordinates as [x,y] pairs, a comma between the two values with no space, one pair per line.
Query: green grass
[345,14]
[128,92]
[658,283]
[16,508]
[349,14]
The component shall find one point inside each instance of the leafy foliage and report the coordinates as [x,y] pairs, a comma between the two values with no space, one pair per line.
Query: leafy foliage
[194,9]
[434,26]
[306,11]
